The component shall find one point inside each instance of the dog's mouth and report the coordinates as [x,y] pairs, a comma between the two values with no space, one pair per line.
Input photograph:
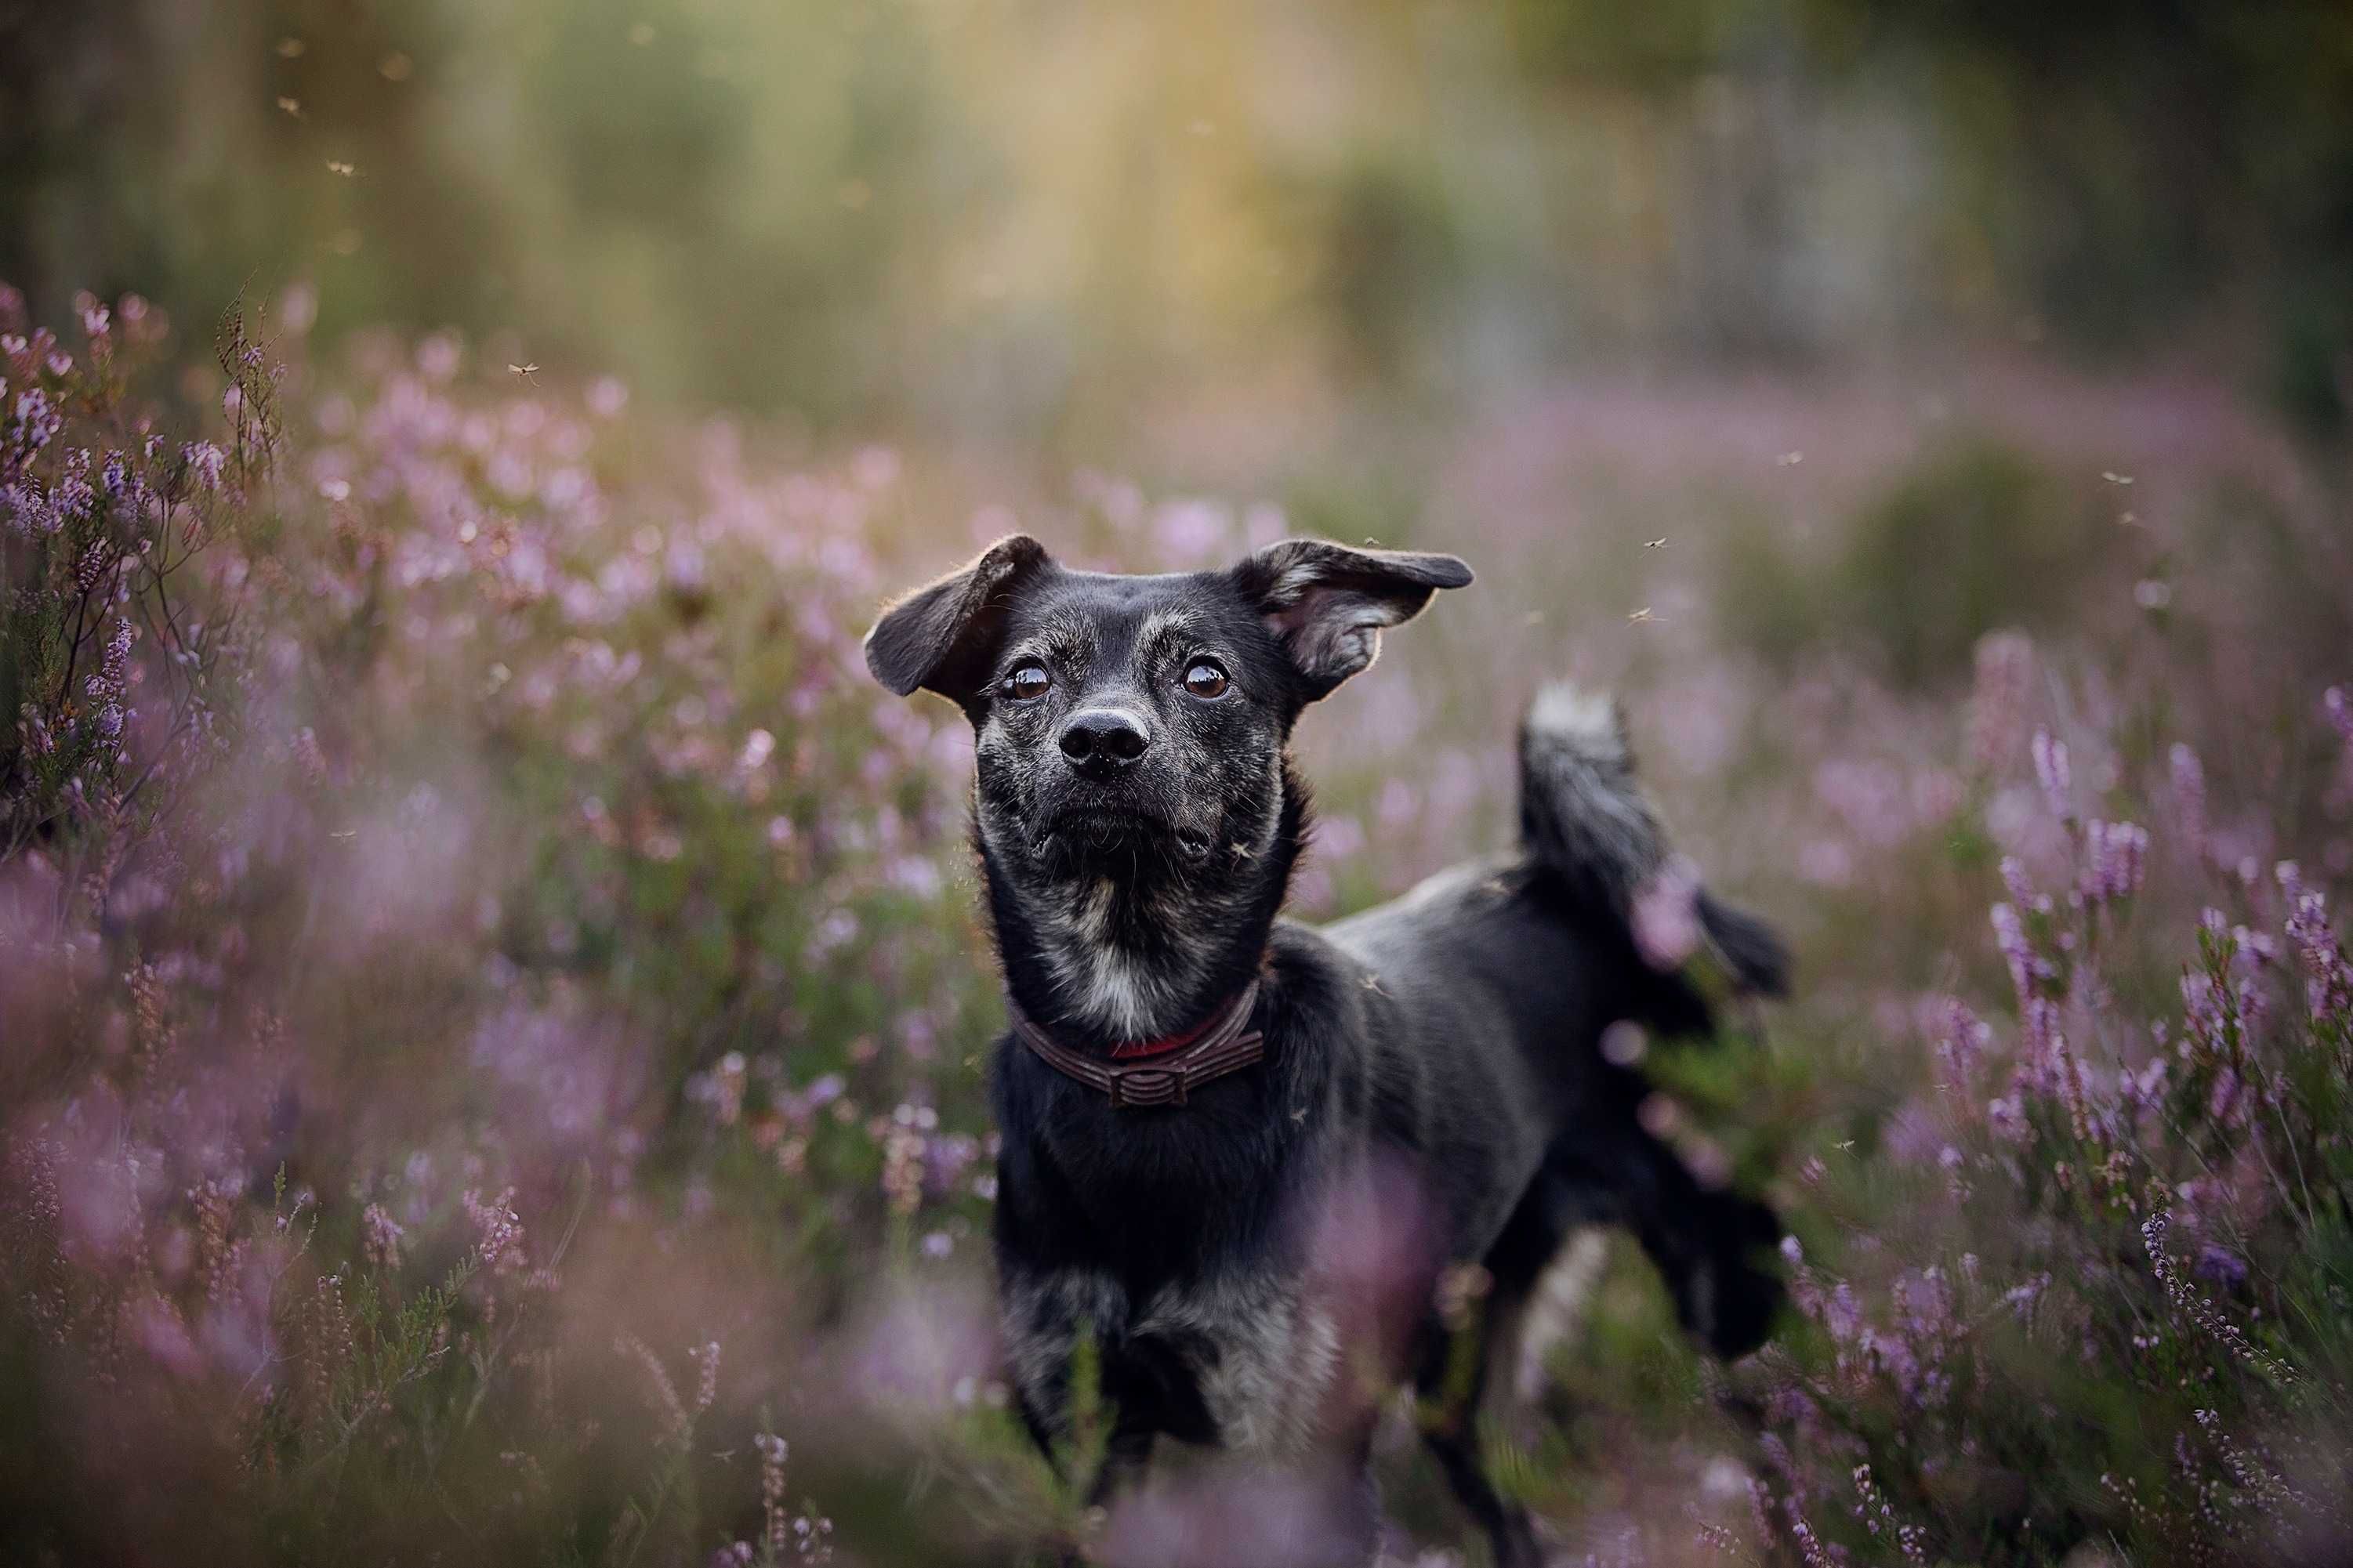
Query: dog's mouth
[1092,827]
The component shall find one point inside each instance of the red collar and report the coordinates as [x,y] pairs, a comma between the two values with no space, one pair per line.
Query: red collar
[1135,1050]
[1221,1044]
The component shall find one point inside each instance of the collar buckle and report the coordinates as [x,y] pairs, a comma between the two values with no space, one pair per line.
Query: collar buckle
[1146,1086]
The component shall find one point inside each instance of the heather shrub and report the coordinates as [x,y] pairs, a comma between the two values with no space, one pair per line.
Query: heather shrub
[116,688]
[357,972]
[494,1001]
[2103,1299]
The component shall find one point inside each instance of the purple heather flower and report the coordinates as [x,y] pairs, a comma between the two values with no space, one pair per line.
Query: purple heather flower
[706,1360]
[2227,1106]
[2041,1046]
[2328,977]
[36,422]
[26,508]
[2021,1298]
[1842,1315]
[1962,1039]
[2117,853]
[381,1235]
[499,1230]
[2021,891]
[2052,771]
[2026,965]
[2220,1266]
[2145,1086]
[205,462]
[2205,1016]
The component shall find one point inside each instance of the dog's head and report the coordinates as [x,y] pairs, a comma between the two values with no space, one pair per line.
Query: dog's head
[1134,725]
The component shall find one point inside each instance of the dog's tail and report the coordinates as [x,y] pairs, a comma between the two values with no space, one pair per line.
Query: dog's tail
[1584,816]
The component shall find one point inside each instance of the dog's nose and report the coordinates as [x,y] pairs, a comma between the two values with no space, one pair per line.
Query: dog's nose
[1100,741]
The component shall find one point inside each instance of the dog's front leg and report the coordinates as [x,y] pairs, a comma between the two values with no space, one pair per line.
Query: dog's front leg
[1125,1451]
[1360,1504]
[1064,1334]
[1124,1454]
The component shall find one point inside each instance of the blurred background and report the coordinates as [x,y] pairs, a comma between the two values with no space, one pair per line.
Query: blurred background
[521,1058]
[1208,232]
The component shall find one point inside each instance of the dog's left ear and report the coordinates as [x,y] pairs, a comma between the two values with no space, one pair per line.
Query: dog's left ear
[943,636]
[1329,604]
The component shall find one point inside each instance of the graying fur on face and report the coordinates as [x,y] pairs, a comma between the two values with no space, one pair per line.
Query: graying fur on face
[1125,955]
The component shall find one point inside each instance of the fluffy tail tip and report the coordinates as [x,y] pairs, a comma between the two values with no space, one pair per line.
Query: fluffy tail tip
[1590,722]
[1583,812]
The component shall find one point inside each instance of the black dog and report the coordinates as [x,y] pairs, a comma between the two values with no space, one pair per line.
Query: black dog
[1271,1171]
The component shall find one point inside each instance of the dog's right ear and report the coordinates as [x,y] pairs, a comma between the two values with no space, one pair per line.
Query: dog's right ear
[942,637]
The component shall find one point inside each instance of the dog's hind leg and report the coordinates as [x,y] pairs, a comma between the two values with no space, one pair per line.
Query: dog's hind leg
[1705,1241]
[1554,1311]
[1453,1376]
[1510,1536]
[1545,1264]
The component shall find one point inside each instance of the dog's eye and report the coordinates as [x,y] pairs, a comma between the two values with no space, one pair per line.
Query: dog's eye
[1029,680]
[1204,680]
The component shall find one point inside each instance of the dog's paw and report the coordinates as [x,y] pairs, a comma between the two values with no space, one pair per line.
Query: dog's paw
[1747,1299]
[1730,1297]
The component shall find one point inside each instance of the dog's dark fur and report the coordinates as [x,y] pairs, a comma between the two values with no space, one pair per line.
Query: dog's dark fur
[1433,1070]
